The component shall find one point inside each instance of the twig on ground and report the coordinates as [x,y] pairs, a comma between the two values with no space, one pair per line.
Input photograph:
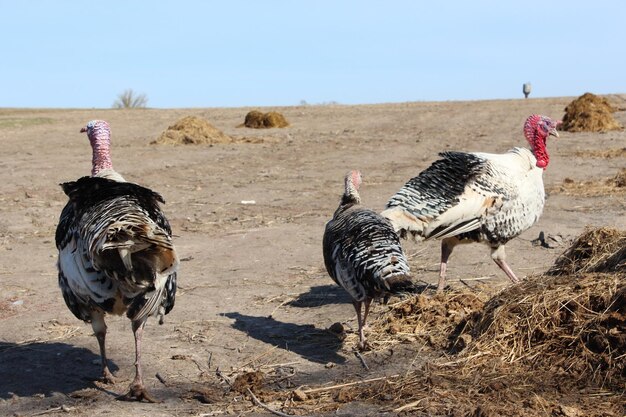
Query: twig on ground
[407,406]
[349,384]
[287,301]
[265,407]
[63,408]
[362,359]
[161,379]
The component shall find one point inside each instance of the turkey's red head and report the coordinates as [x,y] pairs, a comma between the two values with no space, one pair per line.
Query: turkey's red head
[537,129]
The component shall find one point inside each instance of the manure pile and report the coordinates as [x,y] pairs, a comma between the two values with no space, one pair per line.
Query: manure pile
[192,130]
[259,120]
[554,344]
[590,113]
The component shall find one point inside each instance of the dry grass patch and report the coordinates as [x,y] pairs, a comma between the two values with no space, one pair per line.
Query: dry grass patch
[615,185]
[602,153]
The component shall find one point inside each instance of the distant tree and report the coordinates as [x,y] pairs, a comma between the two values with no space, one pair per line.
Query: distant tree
[130,100]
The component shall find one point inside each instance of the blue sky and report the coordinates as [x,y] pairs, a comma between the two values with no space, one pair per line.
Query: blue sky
[266,53]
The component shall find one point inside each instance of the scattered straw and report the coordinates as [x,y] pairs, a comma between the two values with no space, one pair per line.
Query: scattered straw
[602,153]
[615,185]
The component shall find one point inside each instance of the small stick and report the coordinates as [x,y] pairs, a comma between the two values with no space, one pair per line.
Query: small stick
[471,279]
[64,408]
[161,379]
[265,407]
[362,359]
[280,305]
[407,406]
[257,357]
[349,384]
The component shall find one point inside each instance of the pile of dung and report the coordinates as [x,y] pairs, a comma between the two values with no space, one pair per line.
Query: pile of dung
[258,120]
[428,319]
[615,185]
[192,130]
[590,113]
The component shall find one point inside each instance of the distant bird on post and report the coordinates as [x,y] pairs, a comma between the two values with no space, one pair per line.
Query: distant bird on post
[526,89]
[362,253]
[116,253]
[476,197]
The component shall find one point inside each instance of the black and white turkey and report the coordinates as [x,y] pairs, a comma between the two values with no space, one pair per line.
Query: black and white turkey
[116,254]
[476,197]
[362,253]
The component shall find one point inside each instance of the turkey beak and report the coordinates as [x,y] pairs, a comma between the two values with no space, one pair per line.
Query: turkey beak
[553,132]
[83,130]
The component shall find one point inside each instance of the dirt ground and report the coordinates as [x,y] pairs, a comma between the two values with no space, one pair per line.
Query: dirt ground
[248,219]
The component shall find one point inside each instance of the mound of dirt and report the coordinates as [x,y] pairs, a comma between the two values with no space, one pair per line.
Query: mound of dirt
[192,130]
[590,113]
[258,120]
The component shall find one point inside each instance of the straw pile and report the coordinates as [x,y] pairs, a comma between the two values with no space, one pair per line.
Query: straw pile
[258,120]
[192,130]
[571,321]
[590,113]
[553,345]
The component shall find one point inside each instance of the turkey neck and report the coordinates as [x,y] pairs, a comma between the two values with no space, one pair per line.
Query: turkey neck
[101,146]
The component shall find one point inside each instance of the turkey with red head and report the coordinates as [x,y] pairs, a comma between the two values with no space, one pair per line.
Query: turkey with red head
[476,197]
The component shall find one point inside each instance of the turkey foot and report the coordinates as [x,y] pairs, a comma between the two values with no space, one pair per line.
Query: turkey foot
[107,377]
[137,392]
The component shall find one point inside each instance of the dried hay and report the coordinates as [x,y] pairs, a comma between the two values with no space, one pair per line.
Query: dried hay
[590,113]
[551,345]
[615,185]
[602,153]
[596,250]
[192,130]
[430,320]
[258,120]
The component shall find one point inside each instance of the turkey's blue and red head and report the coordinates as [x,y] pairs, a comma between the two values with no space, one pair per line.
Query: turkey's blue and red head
[97,129]
[537,129]
[99,135]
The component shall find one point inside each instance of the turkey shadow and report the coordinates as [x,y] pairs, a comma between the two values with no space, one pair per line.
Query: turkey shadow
[315,345]
[333,294]
[44,368]
[320,296]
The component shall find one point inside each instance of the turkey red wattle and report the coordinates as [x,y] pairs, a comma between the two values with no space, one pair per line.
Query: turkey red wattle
[541,153]
[536,130]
